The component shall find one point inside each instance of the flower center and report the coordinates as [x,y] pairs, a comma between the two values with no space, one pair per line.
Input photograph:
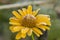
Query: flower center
[29,21]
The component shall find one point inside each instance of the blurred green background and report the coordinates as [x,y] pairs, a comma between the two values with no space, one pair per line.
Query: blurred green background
[50,7]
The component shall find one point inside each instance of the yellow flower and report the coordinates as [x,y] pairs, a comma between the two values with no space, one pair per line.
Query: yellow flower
[26,21]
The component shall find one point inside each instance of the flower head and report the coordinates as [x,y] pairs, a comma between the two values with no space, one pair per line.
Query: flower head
[26,21]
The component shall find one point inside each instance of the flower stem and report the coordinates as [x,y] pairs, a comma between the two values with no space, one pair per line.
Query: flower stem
[32,37]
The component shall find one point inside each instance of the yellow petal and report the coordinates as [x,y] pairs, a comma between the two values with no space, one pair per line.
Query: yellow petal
[43,18]
[15,28]
[16,14]
[24,30]
[45,27]
[24,11]
[29,32]
[13,19]
[23,35]
[21,12]
[37,30]
[29,9]
[35,12]
[14,23]
[41,28]
[36,33]
[42,23]
[18,36]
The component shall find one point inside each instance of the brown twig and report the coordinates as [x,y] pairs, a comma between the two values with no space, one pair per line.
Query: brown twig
[21,4]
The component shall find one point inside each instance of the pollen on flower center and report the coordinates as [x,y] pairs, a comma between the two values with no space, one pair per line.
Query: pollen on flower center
[29,21]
